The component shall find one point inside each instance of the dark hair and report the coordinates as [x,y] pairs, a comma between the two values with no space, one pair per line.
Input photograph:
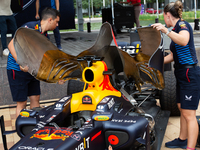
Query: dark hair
[49,12]
[175,9]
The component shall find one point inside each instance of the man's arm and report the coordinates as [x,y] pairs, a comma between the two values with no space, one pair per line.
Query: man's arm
[12,50]
[169,58]
[14,54]
[57,5]
[37,6]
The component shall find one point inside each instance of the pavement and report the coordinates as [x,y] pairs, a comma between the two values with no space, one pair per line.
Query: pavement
[74,43]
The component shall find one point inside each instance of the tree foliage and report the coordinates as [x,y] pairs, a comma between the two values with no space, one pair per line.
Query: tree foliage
[99,3]
[96,3]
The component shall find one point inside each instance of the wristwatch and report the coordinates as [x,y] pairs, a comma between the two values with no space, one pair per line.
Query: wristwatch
[168,31]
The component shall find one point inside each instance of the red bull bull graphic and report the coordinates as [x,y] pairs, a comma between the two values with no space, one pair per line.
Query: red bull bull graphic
[52,134]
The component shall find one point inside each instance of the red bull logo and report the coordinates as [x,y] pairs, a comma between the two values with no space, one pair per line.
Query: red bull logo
[87,100]
[56,134]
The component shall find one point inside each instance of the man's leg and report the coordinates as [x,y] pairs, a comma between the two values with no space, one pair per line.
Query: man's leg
[34,91]
[11,23]
[34,99]
[20,106]
[137,10]
[57,37]
[3,28]
[19,88]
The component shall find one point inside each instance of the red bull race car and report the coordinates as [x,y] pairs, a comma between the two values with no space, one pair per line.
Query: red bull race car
[112,107]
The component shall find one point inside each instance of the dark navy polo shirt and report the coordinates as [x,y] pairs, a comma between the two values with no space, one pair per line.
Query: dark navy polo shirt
[184,54]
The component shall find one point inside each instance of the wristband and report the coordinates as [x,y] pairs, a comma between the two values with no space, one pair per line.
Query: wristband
[167,32]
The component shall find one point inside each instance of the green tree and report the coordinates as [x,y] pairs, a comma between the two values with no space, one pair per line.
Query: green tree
[84,4]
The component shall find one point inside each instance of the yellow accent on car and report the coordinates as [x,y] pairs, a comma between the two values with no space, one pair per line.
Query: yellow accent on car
[99,86]
[101,118]
[24,114]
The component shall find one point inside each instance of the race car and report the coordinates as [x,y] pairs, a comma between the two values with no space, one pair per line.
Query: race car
[111,108]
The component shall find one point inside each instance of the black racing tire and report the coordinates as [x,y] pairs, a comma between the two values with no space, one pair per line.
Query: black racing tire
[74,86]
[168,94]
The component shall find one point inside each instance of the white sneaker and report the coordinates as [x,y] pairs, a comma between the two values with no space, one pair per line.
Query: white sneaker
[6,52]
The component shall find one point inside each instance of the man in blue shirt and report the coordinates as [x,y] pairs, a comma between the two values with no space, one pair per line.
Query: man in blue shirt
[40,6]
[22,84]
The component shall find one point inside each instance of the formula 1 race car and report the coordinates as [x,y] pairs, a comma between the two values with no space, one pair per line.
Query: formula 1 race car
[110,109]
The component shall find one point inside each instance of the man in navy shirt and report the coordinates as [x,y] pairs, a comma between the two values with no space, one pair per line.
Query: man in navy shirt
[40,5]
[22,84]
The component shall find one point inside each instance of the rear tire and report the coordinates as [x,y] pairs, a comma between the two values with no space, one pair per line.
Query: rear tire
[168,94]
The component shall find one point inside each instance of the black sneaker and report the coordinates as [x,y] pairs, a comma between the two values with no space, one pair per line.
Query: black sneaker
[177,143]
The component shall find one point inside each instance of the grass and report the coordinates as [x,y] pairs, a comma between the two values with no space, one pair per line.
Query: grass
[145,20]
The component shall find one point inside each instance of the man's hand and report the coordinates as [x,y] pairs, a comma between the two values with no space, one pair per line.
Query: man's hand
[109,147]
[37,16]
[61,81]
[159,27]
[24,69]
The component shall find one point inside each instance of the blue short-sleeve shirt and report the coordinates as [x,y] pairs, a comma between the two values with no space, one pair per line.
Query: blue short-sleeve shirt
[12,64]
[184,54]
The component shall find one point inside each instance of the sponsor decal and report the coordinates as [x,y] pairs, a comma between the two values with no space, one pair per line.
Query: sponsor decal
[39,125]
[41,116]
[111,103]
[57,134]
[101,118]
[188,98]
[76,137]
[32,148]
[64,99]
[84,145]
[51,118]
[125,97]
[36,27]
[58,107]
[24,114]
[87,100]
[182,25]
[87,126]
[105,100]
[88,120]
[100,107]
[123,121]
[96,135]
